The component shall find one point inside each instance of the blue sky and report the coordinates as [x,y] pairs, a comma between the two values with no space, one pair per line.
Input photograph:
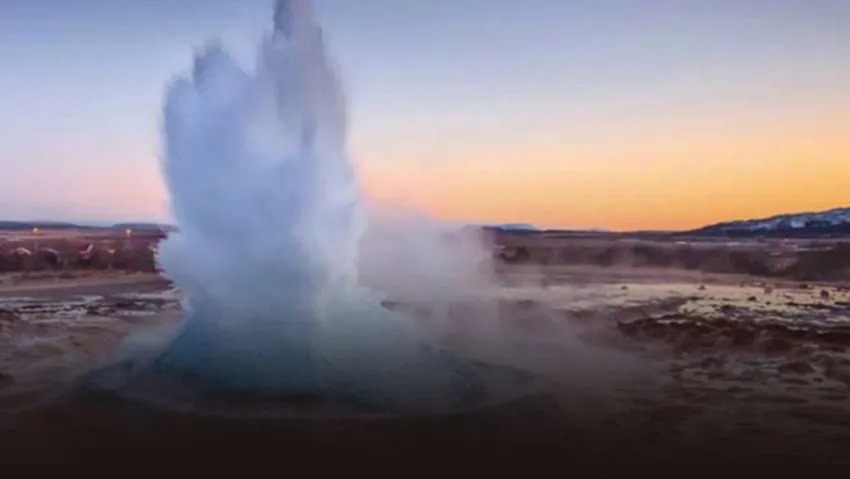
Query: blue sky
[476,81]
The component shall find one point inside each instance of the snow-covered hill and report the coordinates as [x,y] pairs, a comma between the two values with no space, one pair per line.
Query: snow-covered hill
[835,221]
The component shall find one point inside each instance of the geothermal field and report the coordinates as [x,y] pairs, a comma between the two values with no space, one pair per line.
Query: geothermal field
[284,328]
[624,369]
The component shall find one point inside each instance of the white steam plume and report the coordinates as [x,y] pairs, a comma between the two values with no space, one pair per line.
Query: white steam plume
[270,220]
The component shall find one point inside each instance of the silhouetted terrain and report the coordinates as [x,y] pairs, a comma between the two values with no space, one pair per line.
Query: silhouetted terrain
[69,248]
[804,247]
[835,222]
[29,225]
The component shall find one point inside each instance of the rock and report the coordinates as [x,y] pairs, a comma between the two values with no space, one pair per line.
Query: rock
[708,339]
[803,351]
[389,304]
[710,362]
[526,304]
[7,316]
[742,336]
[687,340]
[95,310]
[838,373]
[772,344]
[723,342]
[624,287]
[629,328]
[752,298]
[822,306]
[835,336]
[701,287]
[655,330]
[824,360]
[834,348]
[796,367]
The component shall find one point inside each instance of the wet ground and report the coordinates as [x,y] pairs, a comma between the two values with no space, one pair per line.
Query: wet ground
[636,377]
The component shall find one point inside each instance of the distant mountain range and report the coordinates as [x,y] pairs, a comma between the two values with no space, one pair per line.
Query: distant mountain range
[22,225]
[514,227]
[834,222]
[145,226]
[60,225]
[530,229]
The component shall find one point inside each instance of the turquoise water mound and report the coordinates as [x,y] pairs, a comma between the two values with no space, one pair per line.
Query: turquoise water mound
[143,386]
[370,357]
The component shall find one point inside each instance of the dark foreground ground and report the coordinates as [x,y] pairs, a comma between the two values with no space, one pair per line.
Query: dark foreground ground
[81,442]
[644,368]
[624,390]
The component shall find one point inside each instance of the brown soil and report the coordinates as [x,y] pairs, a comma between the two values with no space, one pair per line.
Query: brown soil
[646,371]
[797,259]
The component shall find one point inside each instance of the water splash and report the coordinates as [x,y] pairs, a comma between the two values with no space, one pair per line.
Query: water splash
[270,218]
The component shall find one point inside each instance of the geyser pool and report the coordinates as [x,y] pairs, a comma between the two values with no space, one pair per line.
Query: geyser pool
[269,219]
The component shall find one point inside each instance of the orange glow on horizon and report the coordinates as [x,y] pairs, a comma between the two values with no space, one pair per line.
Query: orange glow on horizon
[675,184]
[641,182]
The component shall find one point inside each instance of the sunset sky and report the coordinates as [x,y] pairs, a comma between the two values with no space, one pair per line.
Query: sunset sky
[641,114]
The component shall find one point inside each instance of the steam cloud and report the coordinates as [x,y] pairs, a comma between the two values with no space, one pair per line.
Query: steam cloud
[270,224]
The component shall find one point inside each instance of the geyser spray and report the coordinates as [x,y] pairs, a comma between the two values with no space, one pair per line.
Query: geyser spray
[269,219]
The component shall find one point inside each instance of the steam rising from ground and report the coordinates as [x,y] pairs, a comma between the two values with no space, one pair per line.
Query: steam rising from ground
[283,296]
[270,220]
[410,257]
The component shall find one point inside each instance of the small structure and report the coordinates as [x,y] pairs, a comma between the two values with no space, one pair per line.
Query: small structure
[513,255]
[111,252]
[21,252]
[85,255]
[87,251]
[52,256]
[21,258]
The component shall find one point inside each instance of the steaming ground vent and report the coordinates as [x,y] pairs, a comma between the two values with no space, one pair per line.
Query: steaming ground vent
[270,220]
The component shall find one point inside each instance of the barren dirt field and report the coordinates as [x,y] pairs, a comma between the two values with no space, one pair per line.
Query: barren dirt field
[641,370]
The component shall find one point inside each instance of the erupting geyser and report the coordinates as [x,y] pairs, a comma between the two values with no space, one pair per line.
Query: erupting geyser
[270,218]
